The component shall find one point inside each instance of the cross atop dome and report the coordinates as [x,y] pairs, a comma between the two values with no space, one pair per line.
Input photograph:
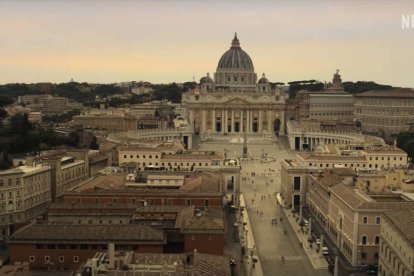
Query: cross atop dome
[235,43]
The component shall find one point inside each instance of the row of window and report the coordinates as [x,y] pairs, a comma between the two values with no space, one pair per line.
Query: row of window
[377,220]
[32,259]
[137,156]
[351,165]
[389,158]
[150,201]
[9,182]
[364,240]
[390,257]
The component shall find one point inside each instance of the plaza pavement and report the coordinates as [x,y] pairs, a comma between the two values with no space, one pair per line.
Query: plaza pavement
[262,179]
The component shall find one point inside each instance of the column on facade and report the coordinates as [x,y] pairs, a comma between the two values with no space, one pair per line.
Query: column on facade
[213,121]
[232,120]
[222,121]
[248,121]
[226,120]
[282,123]
[260,122]
[191,118]
[203,121]
[241,121]
[269,121]
[251,113]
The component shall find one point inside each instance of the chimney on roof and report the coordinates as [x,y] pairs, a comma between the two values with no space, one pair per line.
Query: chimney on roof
[30,161]
[111,255]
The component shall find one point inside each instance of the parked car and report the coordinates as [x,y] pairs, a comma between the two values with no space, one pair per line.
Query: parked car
[318,241]
[325,251]
[233,261]
[372,270]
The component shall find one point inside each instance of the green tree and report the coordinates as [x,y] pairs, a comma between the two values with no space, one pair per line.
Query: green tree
[94,143]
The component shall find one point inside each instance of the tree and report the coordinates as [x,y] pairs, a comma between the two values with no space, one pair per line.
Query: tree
[94,143]
[5,101]
[405,141]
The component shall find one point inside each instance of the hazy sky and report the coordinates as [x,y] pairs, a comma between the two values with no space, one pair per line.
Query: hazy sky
[166,41]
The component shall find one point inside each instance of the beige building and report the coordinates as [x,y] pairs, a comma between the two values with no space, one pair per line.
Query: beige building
[24,194]
[67,172]
[109,122]
[385,113]
[355,156]
[355,221]
[310,134]
[396,256]
[235,99]
[164,159]
[358,157]
[33,99]
[55,105]
[331,104]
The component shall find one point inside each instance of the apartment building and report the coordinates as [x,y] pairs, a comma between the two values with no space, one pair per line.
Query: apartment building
[24,194]
[55,105]
[109,122]
[385,113]
[396,256]
[358,157]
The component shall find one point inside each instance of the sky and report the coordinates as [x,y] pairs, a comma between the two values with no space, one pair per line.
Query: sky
[175,41]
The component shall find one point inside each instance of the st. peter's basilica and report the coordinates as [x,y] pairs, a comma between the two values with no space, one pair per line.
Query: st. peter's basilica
[235,99]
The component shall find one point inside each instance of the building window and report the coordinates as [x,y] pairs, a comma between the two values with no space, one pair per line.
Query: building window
[377,240]
[363,255]
[125,156]
[61,259]
[364,240]
[47,259]
[75,259]
[378,220]
[365,220]
[206,202]
[376,255]
[32,259]
[187,202]
[296,183]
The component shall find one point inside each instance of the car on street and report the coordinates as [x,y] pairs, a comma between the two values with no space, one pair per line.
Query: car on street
[318,241]
[325,251]
[233,261]
[372,270]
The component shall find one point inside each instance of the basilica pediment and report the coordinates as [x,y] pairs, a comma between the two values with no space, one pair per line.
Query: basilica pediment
[237,100]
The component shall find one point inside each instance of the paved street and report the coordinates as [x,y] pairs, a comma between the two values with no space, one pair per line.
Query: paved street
[260,180]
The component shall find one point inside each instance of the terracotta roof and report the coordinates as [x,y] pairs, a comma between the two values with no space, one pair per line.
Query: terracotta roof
[346,193]
[210,220]
[77,233]
[211,265]
[403,221]
[357,200]
[391,93]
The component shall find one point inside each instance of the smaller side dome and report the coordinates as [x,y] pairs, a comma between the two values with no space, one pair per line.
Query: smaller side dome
[263,80]
[206,79]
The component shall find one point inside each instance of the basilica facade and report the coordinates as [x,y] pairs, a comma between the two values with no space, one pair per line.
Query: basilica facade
[235,101]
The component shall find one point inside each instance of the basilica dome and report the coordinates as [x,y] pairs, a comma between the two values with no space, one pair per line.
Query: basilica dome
[235,58]
[263,80]
[206,79]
